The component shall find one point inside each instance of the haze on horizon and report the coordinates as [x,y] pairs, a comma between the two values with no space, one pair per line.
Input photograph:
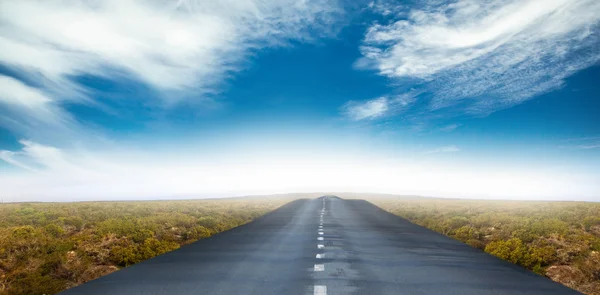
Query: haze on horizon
[112,100]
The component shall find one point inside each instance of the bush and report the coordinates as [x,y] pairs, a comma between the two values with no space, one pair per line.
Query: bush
[466,233]
[511,250]
[54,230]
[153,247]
[590,221]
[141,235]
[35,283]
[74,221]
[198,232]
[23,232]
[125,255]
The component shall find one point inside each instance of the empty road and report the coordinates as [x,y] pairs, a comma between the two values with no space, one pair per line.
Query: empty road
[324,246]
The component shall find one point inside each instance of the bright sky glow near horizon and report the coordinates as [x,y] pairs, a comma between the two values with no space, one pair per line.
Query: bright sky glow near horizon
[111,100]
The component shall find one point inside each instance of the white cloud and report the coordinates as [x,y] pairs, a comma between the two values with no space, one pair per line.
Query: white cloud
[496,53]
[31,112]
[444,149]
[180,49]
[10,158]
[450,127]
[385,7]
[370,109]
[582,143]
[45,156]
[171,45]
[379,107]
[589,146]
[15,92]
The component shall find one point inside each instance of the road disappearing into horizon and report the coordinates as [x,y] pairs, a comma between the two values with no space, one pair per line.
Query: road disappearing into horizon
[321,246]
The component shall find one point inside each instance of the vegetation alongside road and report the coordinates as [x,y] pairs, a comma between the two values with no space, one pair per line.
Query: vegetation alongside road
[48,247]
[560,240]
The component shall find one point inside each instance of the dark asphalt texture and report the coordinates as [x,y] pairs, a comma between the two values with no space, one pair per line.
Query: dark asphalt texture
[365,251]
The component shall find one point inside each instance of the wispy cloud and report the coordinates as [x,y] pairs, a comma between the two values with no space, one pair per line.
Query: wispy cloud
[38,157]
[386,8]
[588,146]
[378,107]
[484,56]
[580,139]
[449,128]
[444,149]
[370,109]
[581,143]
[32,112]
[10,158]
[171,45]
[180,49]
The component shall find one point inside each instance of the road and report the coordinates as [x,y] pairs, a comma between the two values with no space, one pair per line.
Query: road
[324,246]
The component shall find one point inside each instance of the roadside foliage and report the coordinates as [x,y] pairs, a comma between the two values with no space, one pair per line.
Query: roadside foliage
[48,247]
[559,240]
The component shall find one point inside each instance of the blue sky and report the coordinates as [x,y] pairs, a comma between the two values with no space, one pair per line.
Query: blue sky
[176,99]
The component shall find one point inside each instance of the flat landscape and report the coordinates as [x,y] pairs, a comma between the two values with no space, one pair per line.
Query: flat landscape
[159,147]
[49,247]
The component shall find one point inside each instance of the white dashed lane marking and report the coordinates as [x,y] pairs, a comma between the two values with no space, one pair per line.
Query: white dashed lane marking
[320,290]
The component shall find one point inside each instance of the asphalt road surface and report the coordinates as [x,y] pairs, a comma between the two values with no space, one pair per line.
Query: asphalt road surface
[324,246]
